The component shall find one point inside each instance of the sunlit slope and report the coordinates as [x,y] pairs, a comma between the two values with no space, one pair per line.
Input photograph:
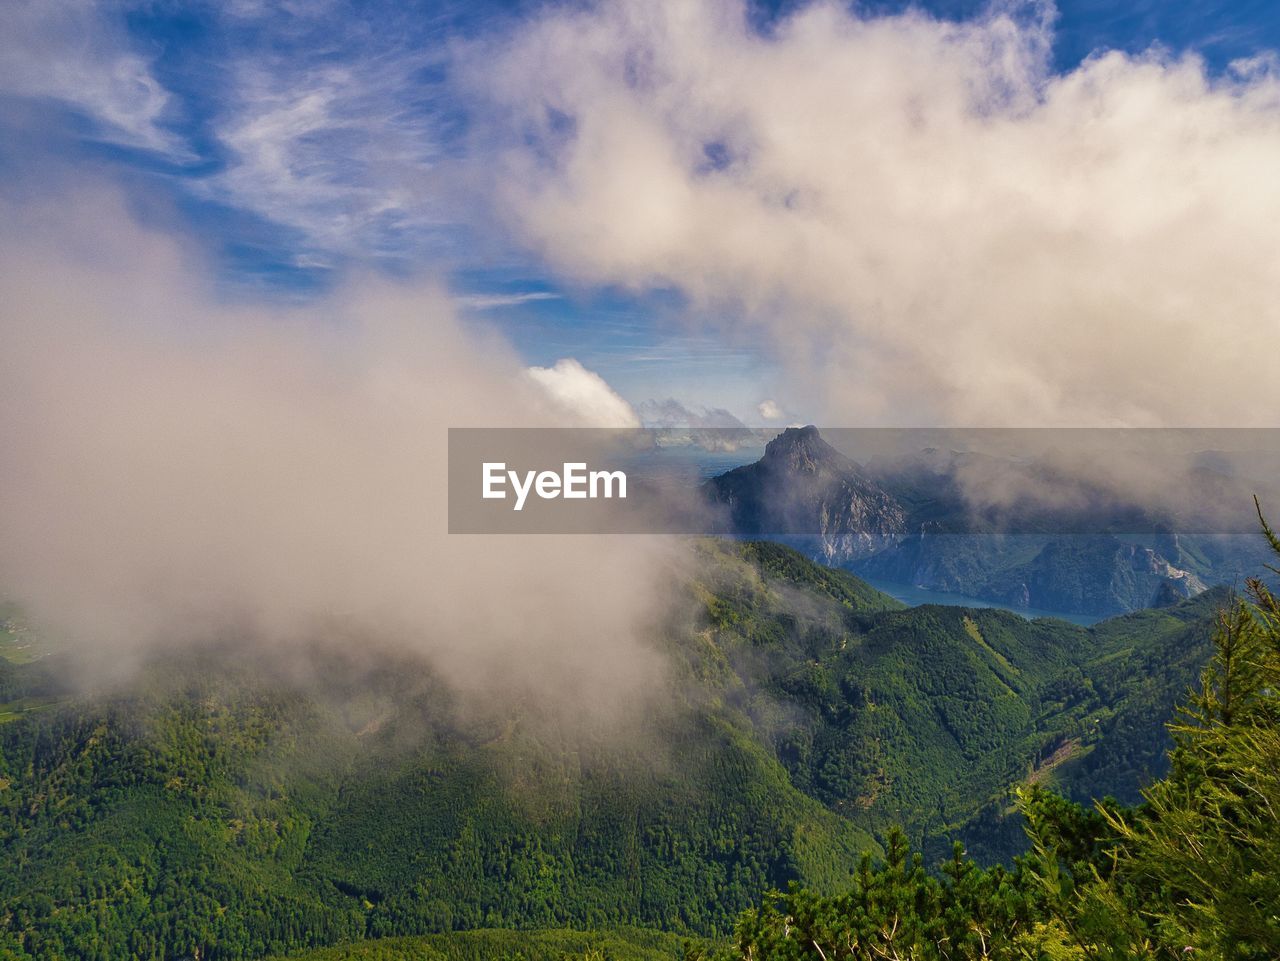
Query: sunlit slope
[924,717]
[614,944]
[217,807]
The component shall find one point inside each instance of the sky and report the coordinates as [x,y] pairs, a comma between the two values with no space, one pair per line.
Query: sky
[294,145]
[258,256]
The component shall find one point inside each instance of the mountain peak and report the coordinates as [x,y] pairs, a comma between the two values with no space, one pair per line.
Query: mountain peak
[804,488]
[802,447]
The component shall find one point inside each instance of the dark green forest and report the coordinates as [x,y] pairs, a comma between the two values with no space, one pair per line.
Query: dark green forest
[1190,871]
[815,733]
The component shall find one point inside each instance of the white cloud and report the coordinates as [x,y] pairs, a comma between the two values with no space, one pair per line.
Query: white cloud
[77,52]
[926,225]
[770,410]
[176,470]
[583,395]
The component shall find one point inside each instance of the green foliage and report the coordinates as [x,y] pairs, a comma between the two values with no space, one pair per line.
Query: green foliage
[1193,869]
[478,836]
[612,944]
[896,909]
[219,810]
[785,564]
[160,825]
[925,717]
[1190,872]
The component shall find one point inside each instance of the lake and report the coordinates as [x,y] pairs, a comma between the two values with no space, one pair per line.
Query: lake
[915,596]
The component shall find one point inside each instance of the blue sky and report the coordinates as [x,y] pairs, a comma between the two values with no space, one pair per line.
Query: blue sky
[295,142]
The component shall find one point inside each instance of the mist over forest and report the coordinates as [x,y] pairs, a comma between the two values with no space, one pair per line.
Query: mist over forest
[930,613]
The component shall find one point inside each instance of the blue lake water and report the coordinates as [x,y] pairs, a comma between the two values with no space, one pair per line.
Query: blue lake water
[696,464]
[914,596]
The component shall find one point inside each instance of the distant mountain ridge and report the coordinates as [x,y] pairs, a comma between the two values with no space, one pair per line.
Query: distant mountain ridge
[906,520]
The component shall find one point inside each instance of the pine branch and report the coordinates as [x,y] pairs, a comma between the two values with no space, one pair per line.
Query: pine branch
[1272,538]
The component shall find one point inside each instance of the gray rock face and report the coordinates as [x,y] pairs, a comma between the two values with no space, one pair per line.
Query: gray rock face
[805,492]
[908,526]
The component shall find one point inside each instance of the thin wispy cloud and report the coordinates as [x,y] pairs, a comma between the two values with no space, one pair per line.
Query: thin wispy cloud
[495,301]
[325,120]
[333,152]
[77,54]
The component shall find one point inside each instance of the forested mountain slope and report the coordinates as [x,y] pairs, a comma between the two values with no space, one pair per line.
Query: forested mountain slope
[922,717]
[219,810]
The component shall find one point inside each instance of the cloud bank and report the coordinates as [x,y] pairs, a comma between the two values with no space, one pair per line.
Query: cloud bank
[174,469]
[925,223]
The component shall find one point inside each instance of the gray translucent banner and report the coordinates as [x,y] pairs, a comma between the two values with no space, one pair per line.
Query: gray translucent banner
[854,490]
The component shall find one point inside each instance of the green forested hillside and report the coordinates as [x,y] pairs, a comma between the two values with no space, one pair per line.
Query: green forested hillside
[924,717]
[1188,872]
[487,944]
[216,810]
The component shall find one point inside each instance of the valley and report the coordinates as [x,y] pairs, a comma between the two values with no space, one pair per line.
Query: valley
[217,808]
[1016,532]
